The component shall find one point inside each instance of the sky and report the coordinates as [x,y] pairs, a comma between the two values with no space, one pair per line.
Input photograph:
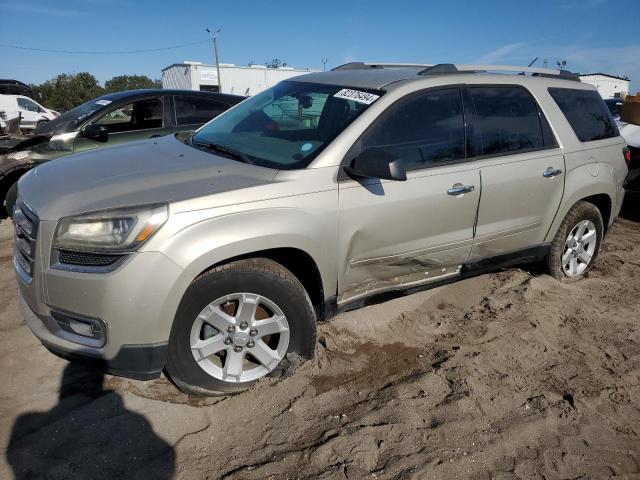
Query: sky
[591,35]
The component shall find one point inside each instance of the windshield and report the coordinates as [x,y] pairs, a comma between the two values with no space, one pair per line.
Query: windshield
[68,121]
[286,126]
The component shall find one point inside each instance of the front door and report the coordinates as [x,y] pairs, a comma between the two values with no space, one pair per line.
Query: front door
[30,112]
[522,171]
[137,120]
[395,234]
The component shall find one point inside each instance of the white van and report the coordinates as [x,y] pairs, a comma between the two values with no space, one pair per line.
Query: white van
[33,114]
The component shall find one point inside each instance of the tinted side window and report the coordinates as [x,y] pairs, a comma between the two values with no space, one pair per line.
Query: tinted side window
[507,120]
[547,134]
[425,129]
[195,110]
[586,112]
[140,115]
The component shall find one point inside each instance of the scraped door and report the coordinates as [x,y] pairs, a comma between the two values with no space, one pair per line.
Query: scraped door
[395,234]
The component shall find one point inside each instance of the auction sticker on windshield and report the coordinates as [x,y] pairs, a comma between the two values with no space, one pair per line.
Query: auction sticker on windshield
[357,96]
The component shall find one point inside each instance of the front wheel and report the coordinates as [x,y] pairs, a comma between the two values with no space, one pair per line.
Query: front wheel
[576,245]
[238,323]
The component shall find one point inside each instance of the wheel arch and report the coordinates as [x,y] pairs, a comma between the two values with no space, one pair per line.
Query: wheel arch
[596,185]
[297,261]
[8,178]
[603,203]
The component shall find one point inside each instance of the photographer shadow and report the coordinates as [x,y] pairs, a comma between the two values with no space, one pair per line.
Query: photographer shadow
[88,434]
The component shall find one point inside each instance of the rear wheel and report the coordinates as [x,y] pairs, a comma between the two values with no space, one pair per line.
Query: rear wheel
[238,323]
[576,245]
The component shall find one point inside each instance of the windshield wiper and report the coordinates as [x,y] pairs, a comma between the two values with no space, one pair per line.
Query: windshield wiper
[225,150]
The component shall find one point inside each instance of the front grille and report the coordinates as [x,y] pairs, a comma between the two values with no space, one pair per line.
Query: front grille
[25,223]
[87,259]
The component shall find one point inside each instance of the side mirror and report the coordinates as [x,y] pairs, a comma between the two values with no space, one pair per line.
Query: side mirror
[99,133]
[377,163]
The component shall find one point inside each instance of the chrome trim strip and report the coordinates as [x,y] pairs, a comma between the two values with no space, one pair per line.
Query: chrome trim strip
[24,276]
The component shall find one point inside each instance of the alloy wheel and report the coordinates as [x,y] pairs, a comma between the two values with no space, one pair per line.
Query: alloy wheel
[240,337]
[579,248]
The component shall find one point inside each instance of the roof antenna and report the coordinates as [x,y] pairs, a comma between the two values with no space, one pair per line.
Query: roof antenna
[532,62]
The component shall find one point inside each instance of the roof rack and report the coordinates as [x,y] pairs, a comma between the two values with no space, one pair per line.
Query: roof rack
[366,65]
[450,68]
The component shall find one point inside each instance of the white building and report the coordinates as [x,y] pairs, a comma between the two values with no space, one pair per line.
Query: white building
[234,79]
[609,86]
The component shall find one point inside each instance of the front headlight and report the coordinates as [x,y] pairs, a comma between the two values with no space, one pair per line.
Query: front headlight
[119,230]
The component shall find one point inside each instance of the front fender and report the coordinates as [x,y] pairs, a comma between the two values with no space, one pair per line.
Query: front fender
[211,241]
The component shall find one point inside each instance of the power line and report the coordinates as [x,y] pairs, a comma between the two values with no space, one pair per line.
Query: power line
[99,52]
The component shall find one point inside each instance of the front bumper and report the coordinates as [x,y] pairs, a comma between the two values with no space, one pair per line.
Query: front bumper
[141,362]
[135,305]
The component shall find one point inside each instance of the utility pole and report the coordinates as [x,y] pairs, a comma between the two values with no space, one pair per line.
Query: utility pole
[324,64]
[214,37]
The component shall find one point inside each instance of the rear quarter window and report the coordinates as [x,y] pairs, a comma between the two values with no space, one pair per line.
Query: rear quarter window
[191,110]
[586,112]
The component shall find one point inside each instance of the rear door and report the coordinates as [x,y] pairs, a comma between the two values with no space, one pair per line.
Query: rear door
[192,111]
[395,234]
[521,166]
[136,120]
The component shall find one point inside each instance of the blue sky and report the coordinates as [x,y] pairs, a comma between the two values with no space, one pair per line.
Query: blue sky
[592,35]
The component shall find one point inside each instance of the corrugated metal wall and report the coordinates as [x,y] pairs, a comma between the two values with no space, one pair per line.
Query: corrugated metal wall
[177,76]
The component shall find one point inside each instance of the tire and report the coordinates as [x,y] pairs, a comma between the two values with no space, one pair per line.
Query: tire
[40,123]
[10,199]
[256,281]
[586,216]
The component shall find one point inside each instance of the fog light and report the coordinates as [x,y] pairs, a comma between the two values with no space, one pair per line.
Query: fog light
[81,328]
[93,329]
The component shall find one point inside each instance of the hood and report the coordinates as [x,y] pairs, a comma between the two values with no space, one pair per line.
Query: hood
[149,171]
[14,144]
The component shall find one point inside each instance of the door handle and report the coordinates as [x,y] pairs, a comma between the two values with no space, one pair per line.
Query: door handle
[551,172]
[460,189]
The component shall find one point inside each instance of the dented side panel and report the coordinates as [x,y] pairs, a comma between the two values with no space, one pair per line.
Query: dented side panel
[394,234]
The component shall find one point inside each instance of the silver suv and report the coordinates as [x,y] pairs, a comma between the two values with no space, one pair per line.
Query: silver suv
[213,256]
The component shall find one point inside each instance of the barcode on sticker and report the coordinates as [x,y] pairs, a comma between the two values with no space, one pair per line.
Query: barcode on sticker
[357,96]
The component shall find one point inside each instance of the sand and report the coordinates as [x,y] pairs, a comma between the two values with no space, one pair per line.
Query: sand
[507,375]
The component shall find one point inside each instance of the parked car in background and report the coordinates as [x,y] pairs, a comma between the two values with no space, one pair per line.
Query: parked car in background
[107,121]
[33,114]
[631,134]
[14,87]
[615,107]
[214,256]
